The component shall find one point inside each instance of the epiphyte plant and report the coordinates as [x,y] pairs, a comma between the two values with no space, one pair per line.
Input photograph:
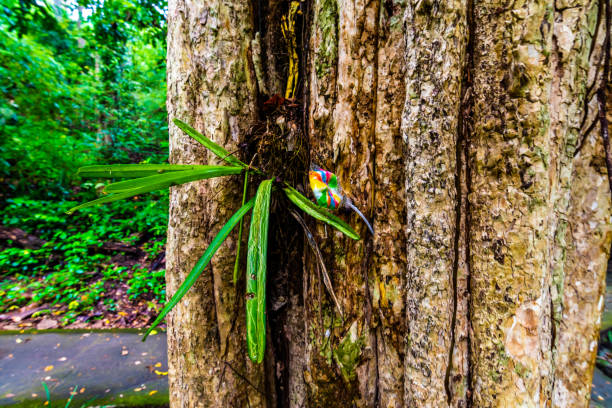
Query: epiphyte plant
[144,178]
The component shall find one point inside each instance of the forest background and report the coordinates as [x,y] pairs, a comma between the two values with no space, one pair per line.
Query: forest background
[81,82]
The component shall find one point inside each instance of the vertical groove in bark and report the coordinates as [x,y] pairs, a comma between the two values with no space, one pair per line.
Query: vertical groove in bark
[436,35]
[389,252]
[459,375]
[342,355]
[211,87]
[509,160]
[275,52]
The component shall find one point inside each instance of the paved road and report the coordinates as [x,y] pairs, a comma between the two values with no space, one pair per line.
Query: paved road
[107,368]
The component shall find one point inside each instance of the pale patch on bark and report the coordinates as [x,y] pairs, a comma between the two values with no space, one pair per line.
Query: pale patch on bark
[521,335]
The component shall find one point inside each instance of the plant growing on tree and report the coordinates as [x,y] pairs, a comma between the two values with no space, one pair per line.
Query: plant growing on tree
[144,178]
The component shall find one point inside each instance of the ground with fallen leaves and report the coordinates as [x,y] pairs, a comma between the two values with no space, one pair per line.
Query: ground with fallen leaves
[117,303]
[127,314]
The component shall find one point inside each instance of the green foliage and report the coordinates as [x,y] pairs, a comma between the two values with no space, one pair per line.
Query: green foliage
[132,170]
[209,144]
[58,111]
[256,273]
[258,236]
[237,262]
[80,82]
[74,272]
[146,283]
[318,212]
[201,264]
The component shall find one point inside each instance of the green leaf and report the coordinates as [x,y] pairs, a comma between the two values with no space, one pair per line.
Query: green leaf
[202,263]
[108,199]
[132,170]
[256,274]
[47,393]
[161,181]
[209,144]
[170,180]
[72,394]
[319,213]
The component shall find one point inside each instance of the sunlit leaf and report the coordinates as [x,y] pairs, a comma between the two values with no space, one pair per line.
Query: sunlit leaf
[161,181]
[256,274]
[132,170]
[201,264]
[209,144]
[170,180]
[319,213]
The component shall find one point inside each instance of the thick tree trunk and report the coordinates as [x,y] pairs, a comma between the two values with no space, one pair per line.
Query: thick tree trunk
[211,87]
[462,129]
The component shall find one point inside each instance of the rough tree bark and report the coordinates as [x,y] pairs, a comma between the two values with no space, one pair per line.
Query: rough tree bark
[467,131]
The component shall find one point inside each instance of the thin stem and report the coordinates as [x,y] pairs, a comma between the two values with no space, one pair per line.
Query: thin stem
[352,206]
[244,191]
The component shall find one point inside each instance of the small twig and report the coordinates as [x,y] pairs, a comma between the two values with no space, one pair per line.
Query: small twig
[244,192]
[317,251]
[246,380]
[583,137]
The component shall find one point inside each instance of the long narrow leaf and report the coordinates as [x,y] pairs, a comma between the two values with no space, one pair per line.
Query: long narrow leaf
[256,274]
[237,263]
[319,213]
[160,181]
[47,393]
[108,199]
[132,170]
[202,263]
[121,194]
[209,144]
[72,394]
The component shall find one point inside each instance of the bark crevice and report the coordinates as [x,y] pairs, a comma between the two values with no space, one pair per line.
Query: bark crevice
[464,119]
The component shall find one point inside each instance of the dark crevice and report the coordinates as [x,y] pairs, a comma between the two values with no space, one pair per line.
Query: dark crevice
[467,103]
[267,148]
[601,94]
[589,91]
[462,187]
[456,240]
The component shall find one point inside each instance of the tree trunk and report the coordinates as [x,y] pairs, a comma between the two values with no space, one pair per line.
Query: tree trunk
[467,132]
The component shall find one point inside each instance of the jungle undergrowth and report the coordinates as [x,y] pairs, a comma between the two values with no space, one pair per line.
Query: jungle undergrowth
[86,267]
